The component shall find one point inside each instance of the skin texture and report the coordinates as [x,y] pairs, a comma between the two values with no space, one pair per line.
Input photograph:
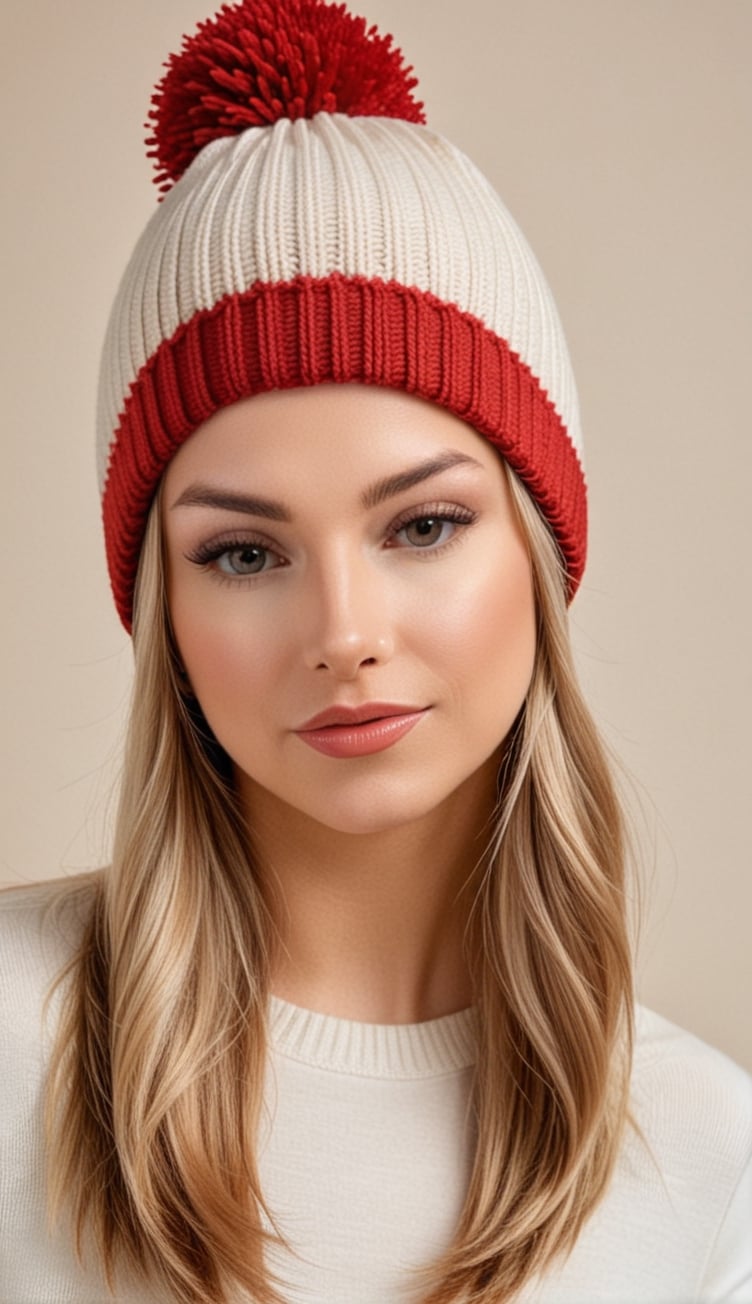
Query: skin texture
[365,861]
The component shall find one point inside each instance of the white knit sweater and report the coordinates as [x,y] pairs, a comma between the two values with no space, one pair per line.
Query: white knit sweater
[364,1158]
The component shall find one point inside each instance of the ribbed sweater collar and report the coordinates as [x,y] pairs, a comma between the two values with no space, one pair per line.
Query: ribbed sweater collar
[373,1050]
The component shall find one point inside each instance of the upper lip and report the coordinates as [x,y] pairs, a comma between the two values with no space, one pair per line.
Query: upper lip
[356,714]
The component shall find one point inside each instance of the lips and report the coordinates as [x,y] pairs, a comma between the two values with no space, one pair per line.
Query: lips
[353,715]
[348,732]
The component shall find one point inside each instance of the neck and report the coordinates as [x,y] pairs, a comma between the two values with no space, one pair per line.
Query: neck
[372,926]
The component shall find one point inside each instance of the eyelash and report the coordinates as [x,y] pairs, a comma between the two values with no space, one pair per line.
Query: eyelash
[450,513]
[206,554]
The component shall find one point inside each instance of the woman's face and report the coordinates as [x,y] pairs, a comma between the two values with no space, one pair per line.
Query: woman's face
[345,546]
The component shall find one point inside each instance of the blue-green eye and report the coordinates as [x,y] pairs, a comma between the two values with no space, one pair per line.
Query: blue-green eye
[235,559]
[249,559]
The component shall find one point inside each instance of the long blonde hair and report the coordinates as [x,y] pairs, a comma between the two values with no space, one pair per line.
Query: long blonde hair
[157,1075]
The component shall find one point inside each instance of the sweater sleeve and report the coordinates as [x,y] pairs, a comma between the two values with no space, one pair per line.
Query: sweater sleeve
[728,1274]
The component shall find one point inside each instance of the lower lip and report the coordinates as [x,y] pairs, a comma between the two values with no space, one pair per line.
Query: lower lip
[361,739]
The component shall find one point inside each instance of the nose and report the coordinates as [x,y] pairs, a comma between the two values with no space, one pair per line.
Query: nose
[348,624]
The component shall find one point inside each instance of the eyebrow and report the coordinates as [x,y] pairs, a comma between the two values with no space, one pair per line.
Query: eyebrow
[396,484]
[206,495]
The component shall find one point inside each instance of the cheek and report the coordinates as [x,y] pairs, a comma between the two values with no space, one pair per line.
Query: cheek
[486,636]
[225,654]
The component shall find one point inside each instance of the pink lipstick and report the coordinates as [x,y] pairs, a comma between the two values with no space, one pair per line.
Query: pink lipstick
[343,731]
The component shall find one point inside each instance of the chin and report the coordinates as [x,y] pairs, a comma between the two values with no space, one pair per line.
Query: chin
[369,820]
[354,809]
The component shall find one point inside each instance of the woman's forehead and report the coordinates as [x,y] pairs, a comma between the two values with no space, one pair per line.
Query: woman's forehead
[358,434]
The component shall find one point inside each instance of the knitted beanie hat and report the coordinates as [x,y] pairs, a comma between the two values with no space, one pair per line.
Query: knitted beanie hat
[314,230]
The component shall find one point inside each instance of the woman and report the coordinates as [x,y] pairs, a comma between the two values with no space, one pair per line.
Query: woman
[350,1016]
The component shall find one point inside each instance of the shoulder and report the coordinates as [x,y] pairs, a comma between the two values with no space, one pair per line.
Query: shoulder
[692,1153]
[692,1103]
[41,921]
[41,926]
[695,1079]
[674,1222]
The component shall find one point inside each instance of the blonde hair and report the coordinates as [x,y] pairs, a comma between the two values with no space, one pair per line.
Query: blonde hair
[157,1074]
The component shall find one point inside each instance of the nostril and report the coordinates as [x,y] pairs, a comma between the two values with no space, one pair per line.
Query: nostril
[368,661]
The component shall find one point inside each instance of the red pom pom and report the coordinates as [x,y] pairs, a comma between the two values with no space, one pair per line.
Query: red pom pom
[261,60]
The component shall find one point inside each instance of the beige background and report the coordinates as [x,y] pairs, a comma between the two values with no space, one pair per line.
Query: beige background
[618,133]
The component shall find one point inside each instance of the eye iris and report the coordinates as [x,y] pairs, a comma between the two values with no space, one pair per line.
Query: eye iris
[244,561]
[426,530]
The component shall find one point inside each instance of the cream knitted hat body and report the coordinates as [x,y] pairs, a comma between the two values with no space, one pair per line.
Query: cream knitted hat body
[331,248]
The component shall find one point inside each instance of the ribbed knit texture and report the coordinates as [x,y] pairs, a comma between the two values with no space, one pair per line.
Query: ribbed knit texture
[365,1150]
[420,1050]
[334,249]
[363,197]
